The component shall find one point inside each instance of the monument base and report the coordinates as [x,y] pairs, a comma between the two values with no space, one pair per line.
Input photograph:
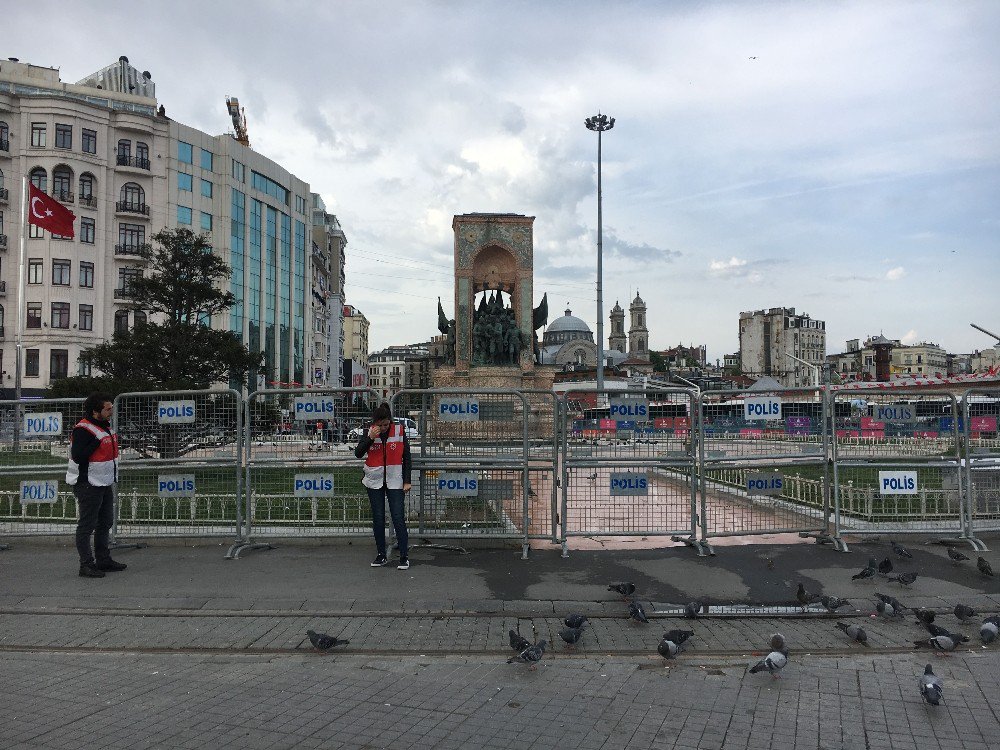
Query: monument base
[507,378]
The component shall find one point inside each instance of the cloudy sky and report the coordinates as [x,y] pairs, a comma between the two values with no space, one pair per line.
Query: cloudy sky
[842,158]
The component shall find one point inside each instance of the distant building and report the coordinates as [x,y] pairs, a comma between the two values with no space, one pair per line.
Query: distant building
[396,368]
[680,356]
[326,355]
[985,360]
[769,339]
[355,371]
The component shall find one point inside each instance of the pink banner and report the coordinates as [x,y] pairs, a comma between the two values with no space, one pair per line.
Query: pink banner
[663,423]
[682,422]
[873,433]
[848,433]
[983,424]
[926,434]
[869,423]
[609,424]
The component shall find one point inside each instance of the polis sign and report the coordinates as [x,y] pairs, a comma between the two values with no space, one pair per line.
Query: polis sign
[47,423]
[458,409]
[457,484]
[897,483]
[629,409]
[40,491]
[764,483]
[762,408]
[312,408]
[896,413]
[175,485]
[175,412]
[314,485]
[629,484]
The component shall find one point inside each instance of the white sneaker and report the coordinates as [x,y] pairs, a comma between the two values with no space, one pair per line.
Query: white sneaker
[404,563]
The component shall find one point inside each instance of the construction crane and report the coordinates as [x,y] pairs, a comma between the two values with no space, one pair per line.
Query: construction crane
[988,333]
[239,120]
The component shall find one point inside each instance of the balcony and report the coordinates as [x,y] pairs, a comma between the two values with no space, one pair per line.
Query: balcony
[122,293]
[63,196]
[134,162]
[4,145]
[141,249]
[88,201]
[127,207]
[3,241]
[3,195]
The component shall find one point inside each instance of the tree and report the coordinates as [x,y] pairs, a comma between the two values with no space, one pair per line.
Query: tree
[176,349]
[656,359]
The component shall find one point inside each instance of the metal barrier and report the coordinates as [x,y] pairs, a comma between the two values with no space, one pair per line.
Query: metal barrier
[896,464]
[979,428]
[34,451]
[302,479]
[629,464]
[179,472]
[763,463]
[473,461]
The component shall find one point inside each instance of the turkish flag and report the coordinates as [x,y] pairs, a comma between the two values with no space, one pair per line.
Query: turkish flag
[48,213]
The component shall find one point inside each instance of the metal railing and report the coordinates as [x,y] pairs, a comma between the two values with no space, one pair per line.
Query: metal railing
[137,248]
[130,207]
[88,201]
[981,460]
[136,162]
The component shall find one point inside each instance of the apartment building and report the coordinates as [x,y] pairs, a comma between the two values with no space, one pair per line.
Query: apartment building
[789,347]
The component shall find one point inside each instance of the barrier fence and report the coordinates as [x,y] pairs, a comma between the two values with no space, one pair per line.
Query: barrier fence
[526,465]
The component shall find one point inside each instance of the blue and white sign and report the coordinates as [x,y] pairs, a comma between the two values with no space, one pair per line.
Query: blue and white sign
[314,485]
[762,408]
[897,483]
[175,485]
[629,484]
[42,423]
[458,484]
[896,413]
[458,409]
[629,409]
[40,491]
[311,408]
[175,412]
[764,483]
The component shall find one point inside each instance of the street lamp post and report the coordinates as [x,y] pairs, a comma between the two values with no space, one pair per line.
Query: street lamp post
[600,123]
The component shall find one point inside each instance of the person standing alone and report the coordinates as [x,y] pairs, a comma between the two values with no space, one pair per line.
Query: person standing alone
[387,478]
[93,472]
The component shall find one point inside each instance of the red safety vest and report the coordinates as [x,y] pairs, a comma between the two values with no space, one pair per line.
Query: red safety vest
[102,468]
[384,462]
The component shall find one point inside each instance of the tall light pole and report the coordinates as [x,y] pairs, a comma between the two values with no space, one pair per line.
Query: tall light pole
[600,123]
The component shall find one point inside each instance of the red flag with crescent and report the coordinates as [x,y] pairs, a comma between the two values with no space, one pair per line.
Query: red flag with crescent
[48,213]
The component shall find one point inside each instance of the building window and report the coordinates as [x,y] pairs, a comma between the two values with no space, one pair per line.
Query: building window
[86,275]
[125,276]
[239,171]
[184,181]
[39,178]
[185,154]
[62,181]
[87,231]
[131,235]
[124,150]
[61,270]
[58,363]
[86,317]
[206,188]
[206,160]
[31,363]
[300,204]
[64,136]
[121,321]
[35,271]
[88,141]
[35,232]
[84,368]
[86,186]
[132,195]
[206,221]
[140,318]
[184,215]
[60,315]
[141,155]
[38,134]
[34,319]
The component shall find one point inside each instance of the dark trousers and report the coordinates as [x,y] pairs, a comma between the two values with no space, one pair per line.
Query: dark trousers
[396,500]
[97,512]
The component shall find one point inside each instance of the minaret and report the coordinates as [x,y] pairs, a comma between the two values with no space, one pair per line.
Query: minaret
[617,338]
[638,334]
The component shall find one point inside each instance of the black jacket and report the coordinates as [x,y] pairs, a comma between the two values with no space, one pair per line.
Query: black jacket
[83,446]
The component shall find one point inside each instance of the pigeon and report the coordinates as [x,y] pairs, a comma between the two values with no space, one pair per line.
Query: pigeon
[832,603]
[924,616]
[900,550]
[868,572]
[805,597]
[956,556]
[773,663]
[324,642]
[885,567]
[930,687]
[905,578]
[592,477]
[989,630]
[936,630]
[855,633]
[571,635]
[517,641]
[964,612]
[636,612]
[692,610]
[625,589]
[938,643]
[678,636]
[669,649]
[777,642]
[530,655]
[886,610]
[984,567]
[575,621]
[892,602]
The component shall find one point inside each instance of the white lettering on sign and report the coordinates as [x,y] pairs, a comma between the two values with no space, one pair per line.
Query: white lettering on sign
[175,485]
[764,483]
[762,407]
[897,482]
[457,485]
[175,412]
[312,408]
[629,409]
[314,485]
[458,409]
[896,413]
[40,491]
[48,423]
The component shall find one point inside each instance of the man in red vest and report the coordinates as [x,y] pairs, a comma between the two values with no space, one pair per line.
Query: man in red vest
[387,478]
[93,472]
